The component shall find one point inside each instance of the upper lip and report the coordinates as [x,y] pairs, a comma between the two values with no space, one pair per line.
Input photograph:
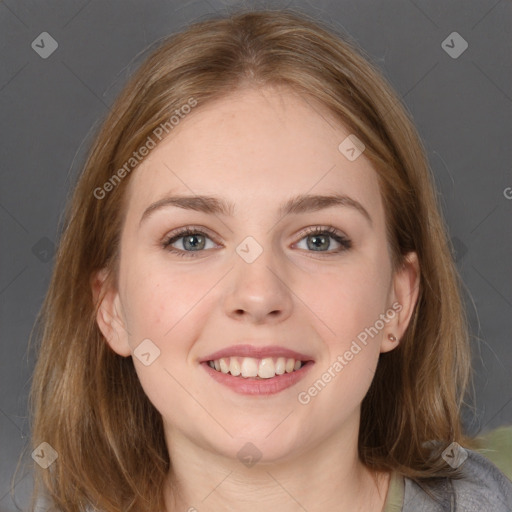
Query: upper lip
[258,352]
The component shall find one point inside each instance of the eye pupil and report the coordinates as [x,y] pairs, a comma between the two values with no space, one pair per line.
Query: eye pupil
[194,245]
[324,242]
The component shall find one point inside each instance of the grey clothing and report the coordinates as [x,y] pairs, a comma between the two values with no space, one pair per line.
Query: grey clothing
[484,488]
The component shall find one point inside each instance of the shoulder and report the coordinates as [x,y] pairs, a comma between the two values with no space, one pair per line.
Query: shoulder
[483,486]
[496,446]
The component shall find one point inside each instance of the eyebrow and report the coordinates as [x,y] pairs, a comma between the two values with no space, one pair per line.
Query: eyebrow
[299,204]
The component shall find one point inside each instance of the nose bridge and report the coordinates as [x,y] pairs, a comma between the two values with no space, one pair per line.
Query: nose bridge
[258,281]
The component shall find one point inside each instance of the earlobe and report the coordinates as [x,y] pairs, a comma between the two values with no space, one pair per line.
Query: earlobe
[389,342]
[404,296]
[109,316]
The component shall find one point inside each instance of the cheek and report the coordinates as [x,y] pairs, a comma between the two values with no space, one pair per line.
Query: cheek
[349,301]
[352,304]
[360,296]
[159,298]
[164,306]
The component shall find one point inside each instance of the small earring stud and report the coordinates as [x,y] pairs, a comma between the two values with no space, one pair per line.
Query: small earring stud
[391,337]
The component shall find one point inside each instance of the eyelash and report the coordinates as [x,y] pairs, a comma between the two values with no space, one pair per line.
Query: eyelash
[315,230]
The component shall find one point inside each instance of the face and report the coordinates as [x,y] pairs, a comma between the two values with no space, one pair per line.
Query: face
[258,279]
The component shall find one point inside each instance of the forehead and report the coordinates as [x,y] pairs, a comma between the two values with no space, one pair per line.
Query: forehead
[256,146]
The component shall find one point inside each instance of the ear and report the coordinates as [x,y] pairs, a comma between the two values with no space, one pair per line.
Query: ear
[402,299]
[110,316]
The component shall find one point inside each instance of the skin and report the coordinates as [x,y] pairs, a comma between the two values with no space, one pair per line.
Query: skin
[258,148]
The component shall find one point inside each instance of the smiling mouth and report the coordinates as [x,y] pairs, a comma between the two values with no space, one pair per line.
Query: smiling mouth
[257,369]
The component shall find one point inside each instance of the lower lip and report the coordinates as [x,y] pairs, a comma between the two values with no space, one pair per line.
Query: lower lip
[253,386]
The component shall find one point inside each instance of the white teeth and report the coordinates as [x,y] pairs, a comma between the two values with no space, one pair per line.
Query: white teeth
[224,366]
[266,369]
[246,367]
[234,367]
[249,367]
[280,365]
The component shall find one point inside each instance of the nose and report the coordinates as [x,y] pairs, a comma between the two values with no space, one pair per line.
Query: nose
[258,292]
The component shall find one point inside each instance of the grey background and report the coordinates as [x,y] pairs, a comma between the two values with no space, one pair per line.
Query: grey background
[50,107]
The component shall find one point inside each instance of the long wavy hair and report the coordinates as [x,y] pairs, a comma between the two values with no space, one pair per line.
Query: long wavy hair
[86,401]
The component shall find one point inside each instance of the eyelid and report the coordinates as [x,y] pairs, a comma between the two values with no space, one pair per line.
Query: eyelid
[319,228]
[191,228]
[338,236]
[183,231]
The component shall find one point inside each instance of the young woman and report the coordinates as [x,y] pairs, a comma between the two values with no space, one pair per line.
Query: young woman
[254,305]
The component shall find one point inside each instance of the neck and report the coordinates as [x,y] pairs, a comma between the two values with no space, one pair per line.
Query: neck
[329,476]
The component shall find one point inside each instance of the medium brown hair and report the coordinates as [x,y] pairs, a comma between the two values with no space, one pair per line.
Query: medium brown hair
[87,401]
